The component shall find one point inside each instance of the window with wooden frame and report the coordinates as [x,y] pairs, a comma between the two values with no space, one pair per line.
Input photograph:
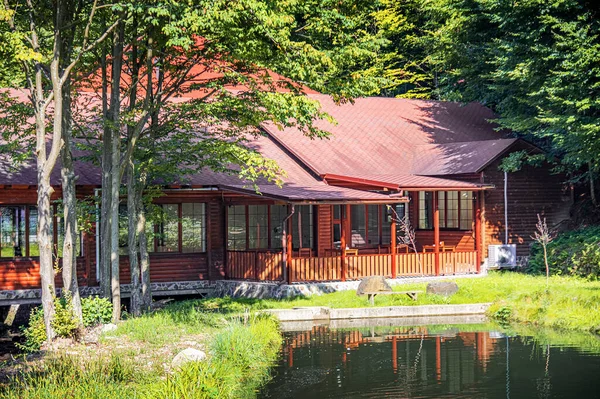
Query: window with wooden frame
[370,224]
[455,210]
[18,232]
[255,227]
[181,229]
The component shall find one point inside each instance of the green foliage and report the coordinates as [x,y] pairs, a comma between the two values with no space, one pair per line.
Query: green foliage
[64,322]
[240,357]
[35,333]
[96,310]
[574,253]
[502,314]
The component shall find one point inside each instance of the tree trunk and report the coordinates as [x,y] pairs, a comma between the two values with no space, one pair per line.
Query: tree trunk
[146,301]
[132,240]
[69,260]
[115,104]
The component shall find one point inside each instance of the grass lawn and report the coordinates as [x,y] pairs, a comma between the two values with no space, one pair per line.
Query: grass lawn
[135,360]
[569,303]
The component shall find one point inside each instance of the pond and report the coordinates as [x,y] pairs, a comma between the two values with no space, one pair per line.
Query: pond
[448,361]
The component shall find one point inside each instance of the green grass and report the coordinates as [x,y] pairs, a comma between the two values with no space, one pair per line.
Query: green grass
[134,361]
[569,303]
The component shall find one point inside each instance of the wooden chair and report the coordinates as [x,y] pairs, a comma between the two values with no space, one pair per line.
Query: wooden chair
[400,247]
[333,252]
[352,251]
[305,253]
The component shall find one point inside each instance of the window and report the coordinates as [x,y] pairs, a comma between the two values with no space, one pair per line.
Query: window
[370,225]
[261,227]
[258,226]
[193,226]
[425,210]
[455,209]
[358,226]
[18,232]
[185,223]
[397,211]
[236,227]
[278,215]
[302,227]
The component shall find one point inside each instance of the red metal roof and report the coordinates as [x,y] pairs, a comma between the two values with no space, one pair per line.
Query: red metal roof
[399,141]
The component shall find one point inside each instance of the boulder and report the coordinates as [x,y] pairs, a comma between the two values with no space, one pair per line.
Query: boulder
[373,284]
[188,355]
[444,288]
[109,327]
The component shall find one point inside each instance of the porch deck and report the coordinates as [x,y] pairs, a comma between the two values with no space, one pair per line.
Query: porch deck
[269,266]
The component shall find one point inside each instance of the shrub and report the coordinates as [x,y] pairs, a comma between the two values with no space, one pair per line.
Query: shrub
[575,253]
[96,310]
[35,332]
[65,323]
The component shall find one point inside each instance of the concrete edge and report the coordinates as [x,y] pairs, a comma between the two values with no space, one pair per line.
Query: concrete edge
[321,313]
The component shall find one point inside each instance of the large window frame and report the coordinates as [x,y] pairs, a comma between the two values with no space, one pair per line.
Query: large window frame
[456,210]
[29,233]
[376,230]
[245,227]
[158,242]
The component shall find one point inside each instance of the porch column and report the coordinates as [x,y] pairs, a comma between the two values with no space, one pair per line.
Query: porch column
[436,232]
[393,247]
[289,254]
[344,217]
[478,244]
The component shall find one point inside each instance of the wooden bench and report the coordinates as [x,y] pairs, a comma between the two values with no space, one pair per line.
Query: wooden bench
[411,294]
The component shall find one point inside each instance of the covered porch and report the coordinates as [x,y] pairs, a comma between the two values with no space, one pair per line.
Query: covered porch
[347,243]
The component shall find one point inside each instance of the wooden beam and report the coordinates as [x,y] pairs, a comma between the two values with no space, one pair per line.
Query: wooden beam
[344,212]
[436,232]
[393,247]
[289,242]
[478,244]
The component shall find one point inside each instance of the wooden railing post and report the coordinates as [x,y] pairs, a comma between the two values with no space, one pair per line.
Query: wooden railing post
[393,248]
[288,254]
[344,217]
[478,245]
[436,232]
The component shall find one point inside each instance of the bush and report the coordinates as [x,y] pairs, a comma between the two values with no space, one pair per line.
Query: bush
[575,253]
[65,323]
[96,310]
[35,332]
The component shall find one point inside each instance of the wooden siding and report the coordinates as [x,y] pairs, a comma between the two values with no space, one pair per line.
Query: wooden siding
[324,228]
[254,265]
[24,273]
[531,191]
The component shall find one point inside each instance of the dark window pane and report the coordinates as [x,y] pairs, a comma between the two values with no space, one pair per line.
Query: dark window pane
[302,227]
[466,210]
[258,227]
[12,231]
[373,228]
[236,227]
[193,228]
[425,210]
[452,211]
[337,235]
[278,215]
[34,247]
[168,232]
[358,226]
[442,208]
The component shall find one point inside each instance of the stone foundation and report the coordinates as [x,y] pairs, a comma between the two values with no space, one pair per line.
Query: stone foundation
[158,289]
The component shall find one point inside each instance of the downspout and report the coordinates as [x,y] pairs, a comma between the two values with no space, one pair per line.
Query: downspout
[96,191]
[505,207]
[284,244]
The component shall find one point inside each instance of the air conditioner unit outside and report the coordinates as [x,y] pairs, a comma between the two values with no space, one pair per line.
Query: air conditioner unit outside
[504,255]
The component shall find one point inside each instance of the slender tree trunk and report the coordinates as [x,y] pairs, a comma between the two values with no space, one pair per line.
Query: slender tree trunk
[146,300]
[69,261]
[115,104]
[592,185]
[132,242]
[105,205]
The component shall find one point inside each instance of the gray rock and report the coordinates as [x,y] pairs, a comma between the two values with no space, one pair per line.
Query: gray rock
[188,355]
[445,288]
[373,284]
[109,327]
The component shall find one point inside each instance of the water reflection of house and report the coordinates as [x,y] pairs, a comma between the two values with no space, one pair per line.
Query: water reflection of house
[414,351]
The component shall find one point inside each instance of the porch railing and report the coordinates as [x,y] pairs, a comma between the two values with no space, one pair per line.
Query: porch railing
[267,266]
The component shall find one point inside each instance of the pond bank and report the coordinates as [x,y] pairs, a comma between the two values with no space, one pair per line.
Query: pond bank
[327,313]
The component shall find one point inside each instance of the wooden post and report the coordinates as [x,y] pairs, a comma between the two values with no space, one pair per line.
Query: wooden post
[395,354]
[438,359]
[478,246]
[289,248]
[208,242]
[343,239]
[393,247]
[436,232]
